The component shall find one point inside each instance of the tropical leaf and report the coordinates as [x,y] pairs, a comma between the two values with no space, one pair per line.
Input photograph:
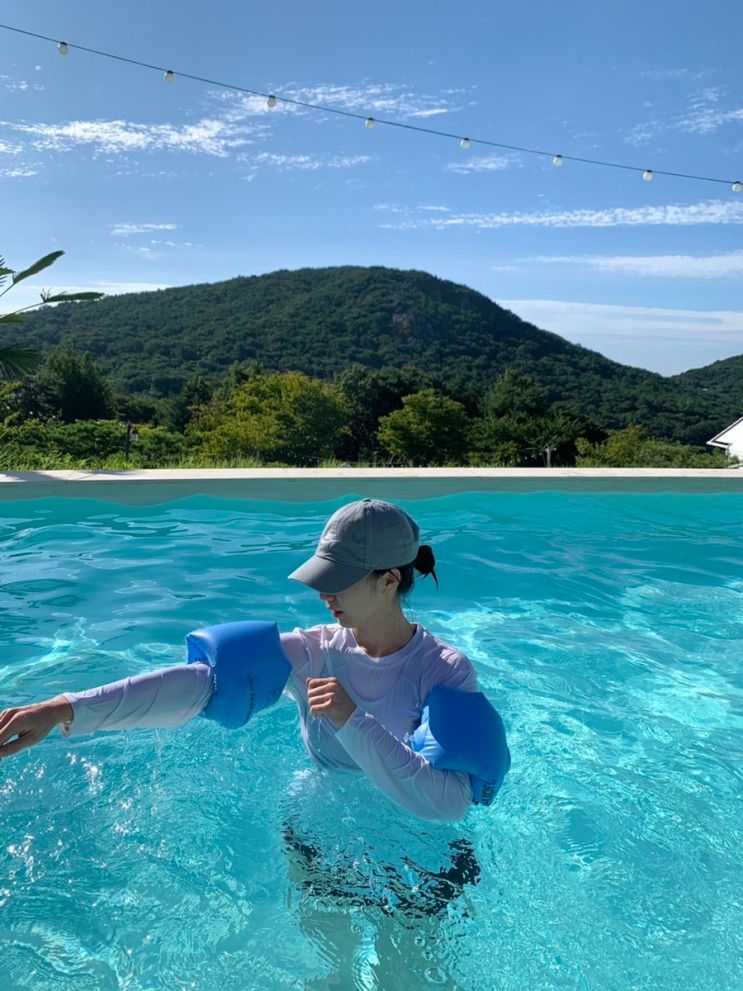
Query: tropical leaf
[38,266]
[15,361]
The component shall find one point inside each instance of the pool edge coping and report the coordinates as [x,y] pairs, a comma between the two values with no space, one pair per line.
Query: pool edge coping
[158,485]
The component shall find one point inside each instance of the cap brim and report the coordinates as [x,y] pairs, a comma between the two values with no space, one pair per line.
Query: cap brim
[327,576]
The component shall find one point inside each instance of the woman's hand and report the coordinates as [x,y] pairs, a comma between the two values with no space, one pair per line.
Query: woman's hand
[31,723]
[327,697]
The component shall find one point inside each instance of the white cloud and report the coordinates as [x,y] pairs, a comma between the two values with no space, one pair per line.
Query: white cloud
[238,106]
[207,136]
[27,294]
[18,84]
[433,112]
[433,209]
[640,134]
[704,120]
[240,120]
[680,214]
[703,115]
[600,319]
[369,98]
[113,288]
[145,174]
[664,340]
[483,163]
[347,161]
[306,162]
[374,97]
[9,149]
[725,265]
[663,73]
[17,173]
[125,230]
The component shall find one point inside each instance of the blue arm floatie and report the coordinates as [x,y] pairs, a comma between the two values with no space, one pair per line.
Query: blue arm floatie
[250,668]
[461,731]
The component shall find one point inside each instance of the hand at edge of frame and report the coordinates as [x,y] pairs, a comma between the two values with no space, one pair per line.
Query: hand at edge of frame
[29,724]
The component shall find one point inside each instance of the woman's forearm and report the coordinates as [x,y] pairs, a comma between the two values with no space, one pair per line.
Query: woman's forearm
[401,773]
[157,699]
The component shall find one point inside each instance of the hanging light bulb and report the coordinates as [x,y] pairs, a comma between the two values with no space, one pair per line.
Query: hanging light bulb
[557,160]
[63,48]
[465,143]
[271,101]
[369,123]
[170,76]
[647,175]
[737,186]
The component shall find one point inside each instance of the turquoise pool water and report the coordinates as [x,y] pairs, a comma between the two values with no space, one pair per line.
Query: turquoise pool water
[606,629]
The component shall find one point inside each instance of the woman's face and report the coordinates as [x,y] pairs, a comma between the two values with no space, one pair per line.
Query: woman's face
[363,602]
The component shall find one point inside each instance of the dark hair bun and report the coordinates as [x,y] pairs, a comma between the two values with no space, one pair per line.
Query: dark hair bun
[425,562]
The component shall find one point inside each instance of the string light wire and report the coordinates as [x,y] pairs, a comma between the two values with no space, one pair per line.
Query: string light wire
[370,122]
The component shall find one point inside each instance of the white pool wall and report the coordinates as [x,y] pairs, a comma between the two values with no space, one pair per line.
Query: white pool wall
[145,487]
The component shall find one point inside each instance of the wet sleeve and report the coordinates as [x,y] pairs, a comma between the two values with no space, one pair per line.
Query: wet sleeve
[157,699]
[402,774]
[453,669]
[396,769]
[295,651]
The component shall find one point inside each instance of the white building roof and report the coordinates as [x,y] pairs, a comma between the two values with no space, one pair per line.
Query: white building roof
[731,437]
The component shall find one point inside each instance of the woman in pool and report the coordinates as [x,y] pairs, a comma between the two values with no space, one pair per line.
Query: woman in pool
[366,675]
[359,684]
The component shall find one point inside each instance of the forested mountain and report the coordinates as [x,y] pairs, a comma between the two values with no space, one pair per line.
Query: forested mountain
[319,320]
[722,379]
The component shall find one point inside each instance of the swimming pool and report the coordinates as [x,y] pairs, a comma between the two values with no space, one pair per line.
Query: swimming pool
[607,629]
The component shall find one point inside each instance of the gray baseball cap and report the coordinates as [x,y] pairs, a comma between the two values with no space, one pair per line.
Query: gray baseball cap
[359,538]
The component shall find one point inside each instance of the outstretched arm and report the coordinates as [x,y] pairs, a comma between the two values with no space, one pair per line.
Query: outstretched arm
[157,699]
[163,698]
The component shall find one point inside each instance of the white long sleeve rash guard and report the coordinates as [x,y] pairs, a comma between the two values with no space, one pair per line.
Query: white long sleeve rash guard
[389,693]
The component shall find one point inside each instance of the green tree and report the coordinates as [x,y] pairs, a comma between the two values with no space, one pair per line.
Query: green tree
[515,441]
[285,417]
[177,411]
[516,395]
[70,387]
[517,428]
[372,393]
[633,448]
[140,409]
[429,429]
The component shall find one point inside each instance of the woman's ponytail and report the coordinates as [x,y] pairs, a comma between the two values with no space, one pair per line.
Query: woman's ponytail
[425,562]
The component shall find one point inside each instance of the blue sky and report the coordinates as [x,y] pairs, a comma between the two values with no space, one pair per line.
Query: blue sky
[145,184]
